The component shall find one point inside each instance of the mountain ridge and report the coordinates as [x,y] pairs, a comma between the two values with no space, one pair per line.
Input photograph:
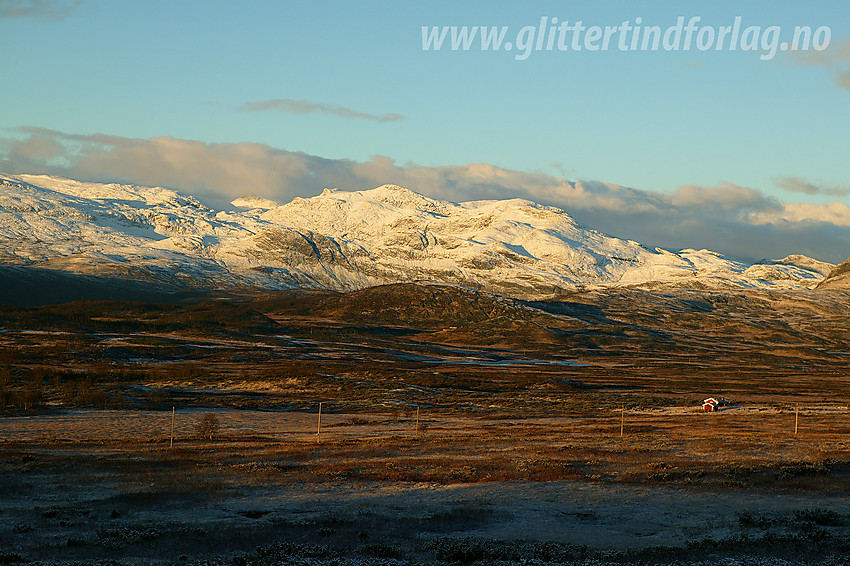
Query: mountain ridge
[838,278]
[347,240]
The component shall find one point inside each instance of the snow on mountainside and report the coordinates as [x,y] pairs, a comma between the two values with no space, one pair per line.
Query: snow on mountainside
[838,278]
[345,240]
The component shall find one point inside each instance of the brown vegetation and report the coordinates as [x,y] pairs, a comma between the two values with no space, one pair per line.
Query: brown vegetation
[501,399]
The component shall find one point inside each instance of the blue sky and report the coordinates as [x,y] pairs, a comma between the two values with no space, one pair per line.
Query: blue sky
[652,122]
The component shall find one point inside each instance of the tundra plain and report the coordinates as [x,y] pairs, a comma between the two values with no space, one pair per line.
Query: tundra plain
[456,428]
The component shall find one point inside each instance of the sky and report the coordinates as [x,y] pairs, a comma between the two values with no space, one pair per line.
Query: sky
[742,151]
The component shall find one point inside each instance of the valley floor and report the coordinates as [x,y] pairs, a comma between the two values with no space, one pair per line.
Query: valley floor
[679,487]
[457,428]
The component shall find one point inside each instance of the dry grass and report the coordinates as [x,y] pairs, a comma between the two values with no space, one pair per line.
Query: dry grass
[87,471]
[736,447]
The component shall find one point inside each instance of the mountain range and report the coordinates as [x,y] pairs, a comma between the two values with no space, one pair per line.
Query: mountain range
[341,240]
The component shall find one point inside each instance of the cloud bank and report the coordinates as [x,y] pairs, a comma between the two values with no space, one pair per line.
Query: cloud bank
[739,221]
[308,107]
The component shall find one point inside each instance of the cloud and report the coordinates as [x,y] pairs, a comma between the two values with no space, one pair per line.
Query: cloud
[726,198]
[837,51]
[38,9]
[834,213]
[739,221]
[836,54]
[797,185]
[290,106]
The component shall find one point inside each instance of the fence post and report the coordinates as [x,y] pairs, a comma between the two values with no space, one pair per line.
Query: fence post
[319,423]
[796,418]
[622,419]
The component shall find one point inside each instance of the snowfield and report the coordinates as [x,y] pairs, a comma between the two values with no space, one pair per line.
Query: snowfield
[346,240]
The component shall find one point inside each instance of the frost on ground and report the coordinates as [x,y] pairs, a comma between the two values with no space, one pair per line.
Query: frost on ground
[71,493]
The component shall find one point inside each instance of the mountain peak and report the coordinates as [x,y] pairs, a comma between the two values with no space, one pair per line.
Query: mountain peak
[395,196]
[254,202]
[345,240]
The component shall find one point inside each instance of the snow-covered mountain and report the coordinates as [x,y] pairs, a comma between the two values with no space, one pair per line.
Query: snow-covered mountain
[838,278]
[345,240]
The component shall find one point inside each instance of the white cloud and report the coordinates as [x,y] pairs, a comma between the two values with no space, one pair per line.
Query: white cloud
[834,213]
